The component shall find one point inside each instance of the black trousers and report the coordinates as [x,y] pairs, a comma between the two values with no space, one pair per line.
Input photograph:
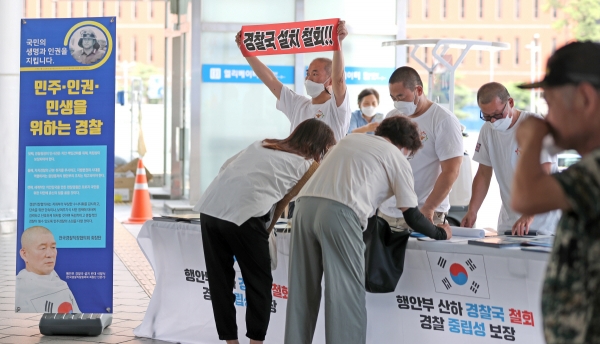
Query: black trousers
[249,243]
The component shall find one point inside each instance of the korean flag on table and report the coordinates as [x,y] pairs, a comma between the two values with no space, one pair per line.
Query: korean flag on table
[459,274]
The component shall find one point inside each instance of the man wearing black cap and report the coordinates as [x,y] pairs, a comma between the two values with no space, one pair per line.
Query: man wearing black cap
[571,293]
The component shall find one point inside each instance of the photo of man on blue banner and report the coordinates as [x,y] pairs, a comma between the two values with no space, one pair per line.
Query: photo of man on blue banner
[66,159]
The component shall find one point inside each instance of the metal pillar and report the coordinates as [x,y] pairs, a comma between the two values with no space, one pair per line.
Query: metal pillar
[195,115]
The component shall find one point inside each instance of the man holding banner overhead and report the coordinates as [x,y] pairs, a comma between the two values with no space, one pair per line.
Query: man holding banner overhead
[325,80]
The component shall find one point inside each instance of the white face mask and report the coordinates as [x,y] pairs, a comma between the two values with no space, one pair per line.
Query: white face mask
[502,124]
[368,111]
[407,108]
[313,89]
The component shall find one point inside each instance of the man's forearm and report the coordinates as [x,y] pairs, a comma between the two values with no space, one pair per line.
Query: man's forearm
[480,188]
[266,75]
[441,189]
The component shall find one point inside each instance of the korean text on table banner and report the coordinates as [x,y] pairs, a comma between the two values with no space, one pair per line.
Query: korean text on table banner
[290,38]
[66,159]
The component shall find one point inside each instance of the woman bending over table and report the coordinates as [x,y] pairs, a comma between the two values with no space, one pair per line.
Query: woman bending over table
[235,210]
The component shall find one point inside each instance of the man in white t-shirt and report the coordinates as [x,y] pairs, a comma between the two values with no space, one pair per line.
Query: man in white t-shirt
[332,210]
[38,287]
[325,84]
[497,151]
[437,164]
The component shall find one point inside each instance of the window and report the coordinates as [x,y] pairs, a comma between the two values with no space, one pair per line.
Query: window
[517,50]
[134,7]
[102,8]
[39,9]
[517,8]
[499,8]
[134,49]
[54,9]
[150,6]
[462,8]
[499,54]
[426,55]
[407,54]
[480,54]
[71,9]
[150,50]
[118,9]
[426,8]
[536,8]
[480,8]
[119,48]
[85,8]
[553,12]
[553,45]
[444,8]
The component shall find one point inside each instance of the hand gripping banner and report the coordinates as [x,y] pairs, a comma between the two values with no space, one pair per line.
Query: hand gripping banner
[290,38]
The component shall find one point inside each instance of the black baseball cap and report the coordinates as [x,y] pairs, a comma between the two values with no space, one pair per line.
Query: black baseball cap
[572,64]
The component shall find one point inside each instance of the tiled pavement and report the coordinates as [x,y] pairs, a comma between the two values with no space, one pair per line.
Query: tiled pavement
[130,303]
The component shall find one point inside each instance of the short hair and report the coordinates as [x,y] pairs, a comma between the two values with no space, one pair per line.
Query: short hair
[30,232]
[328,64]
[490,91]
[401,131]
[367,92]
[408,76]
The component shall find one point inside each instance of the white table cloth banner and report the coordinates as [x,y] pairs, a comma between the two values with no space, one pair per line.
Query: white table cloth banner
[449,293]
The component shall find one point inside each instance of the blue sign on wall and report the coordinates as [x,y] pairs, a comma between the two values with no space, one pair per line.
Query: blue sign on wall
[243,74]
[368,76]
[66,159]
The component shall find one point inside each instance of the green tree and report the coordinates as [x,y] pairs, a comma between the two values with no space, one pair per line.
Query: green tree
[520,96]
[582,15]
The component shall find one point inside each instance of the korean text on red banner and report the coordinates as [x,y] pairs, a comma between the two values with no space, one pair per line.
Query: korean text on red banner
[290,38]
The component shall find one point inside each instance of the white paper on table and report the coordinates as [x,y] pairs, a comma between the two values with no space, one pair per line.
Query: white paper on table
[467,232]
[458,239]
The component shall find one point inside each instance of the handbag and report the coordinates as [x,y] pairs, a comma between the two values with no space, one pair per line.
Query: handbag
[384,255]
[280,207]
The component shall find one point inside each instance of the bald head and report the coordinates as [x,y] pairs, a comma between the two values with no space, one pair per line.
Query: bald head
[38,250]
[488,92]
[32,235]
[325,63]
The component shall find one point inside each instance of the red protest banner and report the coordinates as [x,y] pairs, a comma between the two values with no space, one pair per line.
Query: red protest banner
[290,38]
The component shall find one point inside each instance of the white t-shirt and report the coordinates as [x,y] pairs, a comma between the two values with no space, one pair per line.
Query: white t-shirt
[43,294]
[251,182]
[361,171]
[499,150]
[442,139]
[298,109]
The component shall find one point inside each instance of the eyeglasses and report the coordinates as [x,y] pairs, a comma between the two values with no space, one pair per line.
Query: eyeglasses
[495,116]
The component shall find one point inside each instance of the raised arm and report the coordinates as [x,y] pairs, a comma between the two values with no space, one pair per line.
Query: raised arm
[262,71]
[338,77]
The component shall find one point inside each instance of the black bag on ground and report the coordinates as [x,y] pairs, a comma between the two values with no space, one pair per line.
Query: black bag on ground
[384,255]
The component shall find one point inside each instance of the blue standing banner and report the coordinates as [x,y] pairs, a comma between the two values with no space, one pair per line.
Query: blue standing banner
[66,160]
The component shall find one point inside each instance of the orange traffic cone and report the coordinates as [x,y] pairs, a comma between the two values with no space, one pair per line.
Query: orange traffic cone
[141,209]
